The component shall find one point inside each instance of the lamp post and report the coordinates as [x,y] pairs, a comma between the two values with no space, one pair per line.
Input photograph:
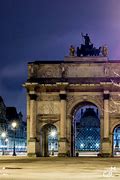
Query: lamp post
[6,143]
[3,136]
[14,125]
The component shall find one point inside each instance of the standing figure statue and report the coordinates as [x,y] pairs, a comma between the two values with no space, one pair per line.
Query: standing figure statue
[104,50]
[72,50]
[87,39]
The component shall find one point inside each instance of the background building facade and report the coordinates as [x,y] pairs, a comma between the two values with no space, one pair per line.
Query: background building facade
[9,135]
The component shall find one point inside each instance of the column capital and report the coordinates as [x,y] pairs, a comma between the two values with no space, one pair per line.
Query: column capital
[33,96]
[106,96]
[63,96]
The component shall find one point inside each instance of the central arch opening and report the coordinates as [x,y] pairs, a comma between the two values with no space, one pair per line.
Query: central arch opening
[85,130]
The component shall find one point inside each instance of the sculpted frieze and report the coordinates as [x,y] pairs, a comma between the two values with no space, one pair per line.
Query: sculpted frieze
[84,70]
[48,70]
[74,70]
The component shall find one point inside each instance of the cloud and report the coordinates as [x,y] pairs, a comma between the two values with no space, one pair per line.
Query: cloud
[11,79]
[14,70]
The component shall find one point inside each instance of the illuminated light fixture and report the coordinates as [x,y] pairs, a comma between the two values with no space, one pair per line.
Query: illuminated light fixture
[3,134]
[53,133]
[97,145]
[6,140]
[14,124]
[81,145]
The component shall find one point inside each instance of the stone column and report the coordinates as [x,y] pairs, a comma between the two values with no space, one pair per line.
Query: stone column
[32,144]
[106,144]
[46,153]
[33,116]
[62,139]
[69,135]
[28,118]
[106,96]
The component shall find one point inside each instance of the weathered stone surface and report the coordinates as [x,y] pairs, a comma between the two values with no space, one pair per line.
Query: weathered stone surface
[48,107]
[83,67]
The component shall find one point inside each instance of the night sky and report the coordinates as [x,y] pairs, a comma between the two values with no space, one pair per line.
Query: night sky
[43,30]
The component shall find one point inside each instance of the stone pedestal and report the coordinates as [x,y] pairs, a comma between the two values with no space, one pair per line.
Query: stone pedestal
[106,148]
[62,139]
[62,147]
[33,150]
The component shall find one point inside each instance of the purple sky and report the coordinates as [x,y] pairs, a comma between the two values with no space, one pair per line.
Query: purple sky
[43,30]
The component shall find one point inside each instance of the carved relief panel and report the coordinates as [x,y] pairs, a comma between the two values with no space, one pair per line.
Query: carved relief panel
[48,107]
[49,70]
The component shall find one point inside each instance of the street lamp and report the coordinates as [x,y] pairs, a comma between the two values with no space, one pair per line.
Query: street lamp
[14,125]
[3,136]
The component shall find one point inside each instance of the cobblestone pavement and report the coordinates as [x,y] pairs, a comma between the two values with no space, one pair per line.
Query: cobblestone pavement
[54,168]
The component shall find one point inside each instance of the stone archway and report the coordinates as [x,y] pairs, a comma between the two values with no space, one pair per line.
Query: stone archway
[49,140]
[53,95]
[116,140]
[87,132]
[76,102]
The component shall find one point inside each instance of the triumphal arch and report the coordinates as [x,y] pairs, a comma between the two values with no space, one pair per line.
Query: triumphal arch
[55,92]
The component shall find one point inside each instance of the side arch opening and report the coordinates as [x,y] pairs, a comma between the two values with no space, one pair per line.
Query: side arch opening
[49,140]
[116,141]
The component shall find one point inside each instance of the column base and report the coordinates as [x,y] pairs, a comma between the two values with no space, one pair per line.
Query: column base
[104,155]
[33,155]
[106,150]
[33,145]
[63,147]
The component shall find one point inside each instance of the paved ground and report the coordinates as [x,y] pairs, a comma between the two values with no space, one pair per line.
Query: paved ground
[82,168]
